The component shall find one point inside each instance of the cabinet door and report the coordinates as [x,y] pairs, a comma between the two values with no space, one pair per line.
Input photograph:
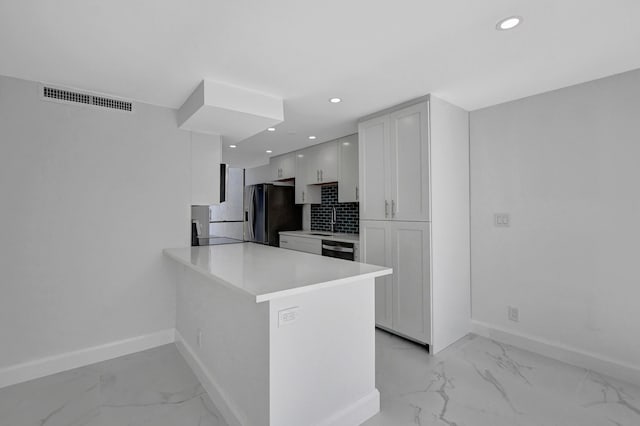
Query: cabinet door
[327,160]
[375,247]
[305,193]
[348,169]
[408,138]
[373,153]
[307,165]
[275,168]
[411,279]
[288,166]
[307,245]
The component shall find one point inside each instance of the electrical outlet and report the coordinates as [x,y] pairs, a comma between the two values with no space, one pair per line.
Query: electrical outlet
[288,316]
[501,219]
[514,314]
[199,338]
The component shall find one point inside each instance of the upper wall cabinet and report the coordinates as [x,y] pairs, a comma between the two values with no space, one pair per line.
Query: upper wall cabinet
[333,161]
[256,175]
[394,164]
[306,193]
[315,165]
[323,163]
[206,154]
[283,166]
[348,189]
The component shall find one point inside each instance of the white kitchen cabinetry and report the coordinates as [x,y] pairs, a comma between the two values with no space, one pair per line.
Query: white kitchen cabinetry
[319,164]
[414,212]
[256,175]
[374,168]
[322,163]
[308,245]
[394,163]
[305,193]
[283,166]
[206,154]
[403,300]
[348,190]
[375,242]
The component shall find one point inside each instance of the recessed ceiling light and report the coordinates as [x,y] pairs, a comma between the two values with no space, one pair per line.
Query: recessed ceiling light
[312,137]
[271,129]
[233,146]
[335,100]
[508,23]
[300,155]
[268,151]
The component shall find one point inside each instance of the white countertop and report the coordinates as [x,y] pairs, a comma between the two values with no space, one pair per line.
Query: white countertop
[336,236]
[264,273]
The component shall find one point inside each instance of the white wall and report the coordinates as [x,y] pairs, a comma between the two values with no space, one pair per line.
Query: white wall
[566,166]
[89,197]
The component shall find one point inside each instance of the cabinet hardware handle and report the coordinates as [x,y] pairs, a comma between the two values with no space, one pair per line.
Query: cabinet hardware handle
[356,192]
[393,208]
[303,196]
[321,177]
[386,208]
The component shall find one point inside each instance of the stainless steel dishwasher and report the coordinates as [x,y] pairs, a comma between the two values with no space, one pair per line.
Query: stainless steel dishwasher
[338,249]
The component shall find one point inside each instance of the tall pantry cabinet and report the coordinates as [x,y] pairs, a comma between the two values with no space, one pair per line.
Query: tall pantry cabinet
[414,217]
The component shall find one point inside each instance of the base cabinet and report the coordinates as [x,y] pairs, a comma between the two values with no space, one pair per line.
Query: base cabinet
[307,245]
[375,243]
[403,301]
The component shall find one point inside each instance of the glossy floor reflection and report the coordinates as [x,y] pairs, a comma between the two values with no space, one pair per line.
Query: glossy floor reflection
[150,388]
[480,382]
[476,382]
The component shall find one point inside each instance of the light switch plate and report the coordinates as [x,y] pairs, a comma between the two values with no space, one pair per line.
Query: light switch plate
[501,219]
[288,316]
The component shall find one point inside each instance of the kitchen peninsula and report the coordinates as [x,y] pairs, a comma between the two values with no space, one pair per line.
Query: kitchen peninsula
[279,337]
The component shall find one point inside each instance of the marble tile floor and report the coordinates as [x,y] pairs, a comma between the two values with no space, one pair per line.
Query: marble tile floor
[475,382]
[151,388]
[480,382]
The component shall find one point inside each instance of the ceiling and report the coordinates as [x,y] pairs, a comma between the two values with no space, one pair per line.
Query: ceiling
[371,53]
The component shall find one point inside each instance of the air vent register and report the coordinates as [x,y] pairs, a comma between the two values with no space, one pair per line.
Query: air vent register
[86,98]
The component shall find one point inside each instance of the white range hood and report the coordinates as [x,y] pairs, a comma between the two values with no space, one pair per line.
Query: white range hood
[233,112]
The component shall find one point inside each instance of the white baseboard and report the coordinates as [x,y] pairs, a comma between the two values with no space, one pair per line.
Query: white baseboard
[67,361]
[574,356]
[218,397]
[357,413]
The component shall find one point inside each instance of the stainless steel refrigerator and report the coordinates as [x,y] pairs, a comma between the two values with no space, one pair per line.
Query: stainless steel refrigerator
[270,209]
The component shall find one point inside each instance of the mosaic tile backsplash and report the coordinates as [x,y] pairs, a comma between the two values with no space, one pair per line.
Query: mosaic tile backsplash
[348,214]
